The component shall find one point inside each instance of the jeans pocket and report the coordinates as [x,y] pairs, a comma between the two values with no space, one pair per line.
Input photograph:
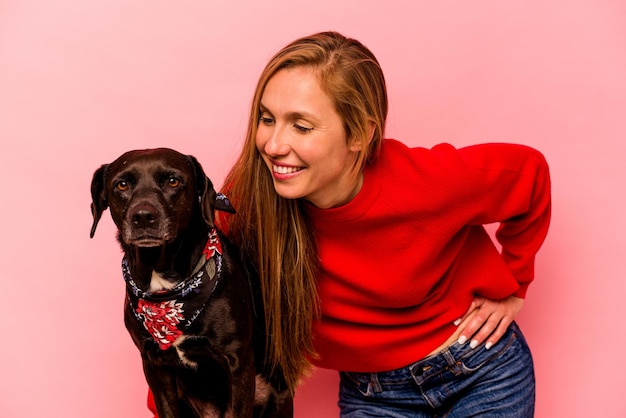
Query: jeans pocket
[476,358]
[354,381]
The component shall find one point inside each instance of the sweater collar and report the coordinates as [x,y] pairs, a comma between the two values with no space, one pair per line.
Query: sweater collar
[359,205]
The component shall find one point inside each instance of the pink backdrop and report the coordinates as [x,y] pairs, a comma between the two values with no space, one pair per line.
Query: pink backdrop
[83,81]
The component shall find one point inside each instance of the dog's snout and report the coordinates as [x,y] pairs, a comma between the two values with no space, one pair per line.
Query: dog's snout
[144,216]
[146,225]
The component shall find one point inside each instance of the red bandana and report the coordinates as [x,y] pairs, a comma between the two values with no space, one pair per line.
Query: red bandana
[163,313]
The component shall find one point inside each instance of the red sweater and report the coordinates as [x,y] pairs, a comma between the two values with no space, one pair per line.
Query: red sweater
[403,260]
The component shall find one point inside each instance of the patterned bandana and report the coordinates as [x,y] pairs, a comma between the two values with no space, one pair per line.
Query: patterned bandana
[166,312]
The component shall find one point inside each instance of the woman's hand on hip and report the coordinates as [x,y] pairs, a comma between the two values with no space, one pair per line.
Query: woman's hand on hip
[487,320]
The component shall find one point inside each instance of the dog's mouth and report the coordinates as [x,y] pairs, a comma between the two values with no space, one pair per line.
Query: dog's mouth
[146,238]
[146,241]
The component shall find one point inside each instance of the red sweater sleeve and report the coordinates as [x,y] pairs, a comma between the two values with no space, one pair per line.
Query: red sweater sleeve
[517,195]
[151,404]
[522,235]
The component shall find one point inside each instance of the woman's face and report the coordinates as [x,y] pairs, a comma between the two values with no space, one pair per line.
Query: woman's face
[303,142]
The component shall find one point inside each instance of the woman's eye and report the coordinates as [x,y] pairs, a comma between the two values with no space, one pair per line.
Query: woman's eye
[303,129]
[173,182]
[265,119]
[122,186]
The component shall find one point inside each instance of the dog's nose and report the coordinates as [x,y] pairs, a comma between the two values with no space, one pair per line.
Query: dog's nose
[144,216]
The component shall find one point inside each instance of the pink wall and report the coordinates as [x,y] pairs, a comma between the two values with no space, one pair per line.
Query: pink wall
[83,81]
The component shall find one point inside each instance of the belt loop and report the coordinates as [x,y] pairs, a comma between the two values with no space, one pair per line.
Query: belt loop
[375,383]
[453,365]
[448,356]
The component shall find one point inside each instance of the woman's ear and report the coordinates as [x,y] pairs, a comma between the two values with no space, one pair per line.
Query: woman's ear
[357,145]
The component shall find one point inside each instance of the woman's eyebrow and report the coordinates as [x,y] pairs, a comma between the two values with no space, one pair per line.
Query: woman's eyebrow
[293,114]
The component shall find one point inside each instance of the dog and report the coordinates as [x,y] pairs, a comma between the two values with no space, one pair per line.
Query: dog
[192,304]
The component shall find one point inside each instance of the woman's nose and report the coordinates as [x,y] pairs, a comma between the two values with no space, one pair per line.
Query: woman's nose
[277,143]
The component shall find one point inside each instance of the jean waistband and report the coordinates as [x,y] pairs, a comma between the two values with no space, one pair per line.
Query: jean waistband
[447,357]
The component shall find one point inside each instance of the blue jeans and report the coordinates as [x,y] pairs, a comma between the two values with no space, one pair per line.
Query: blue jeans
[458,382]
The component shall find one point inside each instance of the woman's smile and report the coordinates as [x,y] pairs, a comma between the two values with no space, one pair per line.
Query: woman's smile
[285,171]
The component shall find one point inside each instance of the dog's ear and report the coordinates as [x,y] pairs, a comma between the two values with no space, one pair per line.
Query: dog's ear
[98,196]
[209,199]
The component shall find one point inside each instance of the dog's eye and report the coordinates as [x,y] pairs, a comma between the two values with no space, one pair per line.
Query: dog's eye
[173,182]
[122,186]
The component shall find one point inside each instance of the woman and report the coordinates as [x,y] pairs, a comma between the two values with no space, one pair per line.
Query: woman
[372,255]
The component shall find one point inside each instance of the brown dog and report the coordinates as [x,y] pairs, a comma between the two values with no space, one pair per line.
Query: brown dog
[191,308]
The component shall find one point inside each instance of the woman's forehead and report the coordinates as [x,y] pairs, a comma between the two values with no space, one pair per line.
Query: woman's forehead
[295,92]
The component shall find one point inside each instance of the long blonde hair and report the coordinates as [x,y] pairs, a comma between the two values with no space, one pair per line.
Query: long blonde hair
[273,231]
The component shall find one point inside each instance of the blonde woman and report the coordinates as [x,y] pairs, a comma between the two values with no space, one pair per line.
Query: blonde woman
[373,256]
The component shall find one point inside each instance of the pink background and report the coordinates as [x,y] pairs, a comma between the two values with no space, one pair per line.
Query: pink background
[83,81]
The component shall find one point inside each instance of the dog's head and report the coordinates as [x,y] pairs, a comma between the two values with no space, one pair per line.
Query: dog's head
[154,194]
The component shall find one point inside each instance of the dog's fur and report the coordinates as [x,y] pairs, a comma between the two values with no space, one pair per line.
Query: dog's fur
[163,206]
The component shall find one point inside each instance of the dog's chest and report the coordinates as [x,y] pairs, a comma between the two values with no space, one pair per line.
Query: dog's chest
[158,283]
